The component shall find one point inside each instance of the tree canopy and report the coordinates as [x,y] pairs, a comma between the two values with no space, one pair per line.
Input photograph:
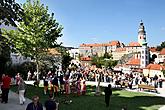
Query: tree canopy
[104,61]
[66,59]
[10,11]
[161,46]
[35,34]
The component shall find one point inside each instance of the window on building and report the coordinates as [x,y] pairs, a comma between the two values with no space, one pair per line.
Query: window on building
[142,52]
[142,62]
[142,57]
[147,62]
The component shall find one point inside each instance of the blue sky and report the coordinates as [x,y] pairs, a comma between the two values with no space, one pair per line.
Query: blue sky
[99,21]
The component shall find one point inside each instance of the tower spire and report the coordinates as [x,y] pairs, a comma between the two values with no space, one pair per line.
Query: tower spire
[144,49]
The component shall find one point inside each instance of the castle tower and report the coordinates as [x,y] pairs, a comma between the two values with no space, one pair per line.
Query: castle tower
[141,34]
[144,59]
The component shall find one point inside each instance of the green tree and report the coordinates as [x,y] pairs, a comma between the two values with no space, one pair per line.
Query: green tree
[98,61]
[109,63]
[161,46]
[10,11]
[106,61]
[66,59]
[4,57]
[40,34]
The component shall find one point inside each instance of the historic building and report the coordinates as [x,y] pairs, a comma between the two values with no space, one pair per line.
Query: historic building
[18,59]
[144,61]
[162,54]
[154,69]
[98,48]
[74,53]
[132,47]
[136,53]
[118,53]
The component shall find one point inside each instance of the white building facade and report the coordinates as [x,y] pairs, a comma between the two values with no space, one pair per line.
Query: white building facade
[74,53]
[18,59]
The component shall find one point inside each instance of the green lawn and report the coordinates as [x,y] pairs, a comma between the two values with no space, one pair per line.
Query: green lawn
[120,98]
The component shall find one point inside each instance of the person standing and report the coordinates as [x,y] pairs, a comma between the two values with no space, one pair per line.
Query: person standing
[46,85]
[21,91]
[67,86]
[29,76]
[155,79]
[50,104]
[108,93]
[160,81]
[61,84]
[6,80]
[35,105]
[78,86]
[83,88]
[55,86]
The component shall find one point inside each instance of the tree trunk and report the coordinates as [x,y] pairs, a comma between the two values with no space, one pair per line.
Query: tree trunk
[37,70]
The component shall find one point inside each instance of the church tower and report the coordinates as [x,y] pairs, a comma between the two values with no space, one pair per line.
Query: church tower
[144,59]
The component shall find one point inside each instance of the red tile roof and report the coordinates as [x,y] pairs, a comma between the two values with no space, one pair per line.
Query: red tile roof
[112,43]
[86,58]
[134,44]
[162,52]
[115,43]
[133,61]
[155,67]
[90,45]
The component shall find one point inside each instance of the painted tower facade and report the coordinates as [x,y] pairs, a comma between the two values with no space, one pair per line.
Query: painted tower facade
[141,34]
[144,60]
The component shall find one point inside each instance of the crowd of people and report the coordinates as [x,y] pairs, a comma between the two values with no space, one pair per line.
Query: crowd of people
[5,84]
[74,82]
[58,83]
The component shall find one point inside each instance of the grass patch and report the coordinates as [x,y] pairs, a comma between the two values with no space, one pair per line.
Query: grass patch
[120,98]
